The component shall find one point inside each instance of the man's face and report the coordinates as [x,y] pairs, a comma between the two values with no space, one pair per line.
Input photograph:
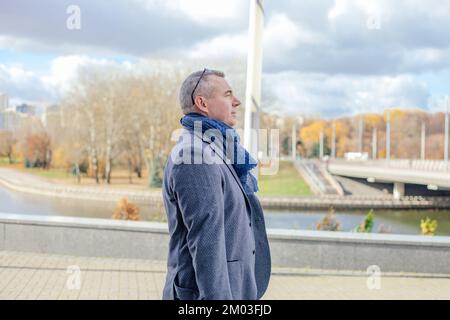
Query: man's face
[222,104]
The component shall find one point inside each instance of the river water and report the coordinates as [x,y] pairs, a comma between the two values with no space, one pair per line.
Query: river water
[399,222]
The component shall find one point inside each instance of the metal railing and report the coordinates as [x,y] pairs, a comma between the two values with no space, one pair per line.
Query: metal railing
[409,164]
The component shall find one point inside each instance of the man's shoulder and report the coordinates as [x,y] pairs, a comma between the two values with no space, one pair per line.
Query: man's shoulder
[192,149]
[187,139]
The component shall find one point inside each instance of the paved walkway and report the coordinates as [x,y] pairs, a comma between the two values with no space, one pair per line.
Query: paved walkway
[47,276]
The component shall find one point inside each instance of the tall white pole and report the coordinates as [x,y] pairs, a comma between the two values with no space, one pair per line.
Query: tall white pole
[254,69]
[361,133]
[333,140]
[321,145]
[388,135]
[446,131]
[374,143]
[422,142]
[294,142]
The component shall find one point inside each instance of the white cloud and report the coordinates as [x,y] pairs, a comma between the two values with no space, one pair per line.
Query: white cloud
[124,28]
[283,37]
[320,55]
[281,34]
[314,36]
[426,59]
[64,70]
[24,85]
[344,7]
[221,47]
[319,94]
[307,93]
[275,41]
[205,11]
[17,82]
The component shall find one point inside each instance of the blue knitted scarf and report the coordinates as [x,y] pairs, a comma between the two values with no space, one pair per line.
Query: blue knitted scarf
[241,167]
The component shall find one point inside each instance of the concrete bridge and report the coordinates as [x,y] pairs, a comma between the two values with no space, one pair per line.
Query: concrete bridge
[434,175]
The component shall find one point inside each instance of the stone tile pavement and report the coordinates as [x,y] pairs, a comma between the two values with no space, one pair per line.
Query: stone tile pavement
[49,276]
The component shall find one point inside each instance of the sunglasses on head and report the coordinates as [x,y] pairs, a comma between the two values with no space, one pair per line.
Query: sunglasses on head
[199,79]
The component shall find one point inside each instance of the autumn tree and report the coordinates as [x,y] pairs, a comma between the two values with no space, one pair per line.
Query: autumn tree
[38,150]
[7,142]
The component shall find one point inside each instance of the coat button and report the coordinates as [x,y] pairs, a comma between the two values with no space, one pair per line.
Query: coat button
[253,251]
[250,224]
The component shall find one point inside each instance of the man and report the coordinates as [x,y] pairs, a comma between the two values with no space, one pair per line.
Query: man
[218,245]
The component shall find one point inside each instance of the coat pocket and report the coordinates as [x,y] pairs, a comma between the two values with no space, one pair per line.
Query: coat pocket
[235,276]
[185,293]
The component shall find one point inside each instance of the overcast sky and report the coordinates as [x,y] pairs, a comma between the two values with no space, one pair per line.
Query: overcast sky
[327,57]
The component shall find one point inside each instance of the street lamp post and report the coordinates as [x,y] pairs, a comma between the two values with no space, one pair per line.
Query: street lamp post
[333,140]
[388,135]
[361,133]
[321,145]
[422,142]
[447,101]
[374,143]
[294,142]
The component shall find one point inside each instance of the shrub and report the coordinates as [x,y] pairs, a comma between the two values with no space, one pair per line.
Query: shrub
[428,227]
[367,225]
[329,222]
[126,210]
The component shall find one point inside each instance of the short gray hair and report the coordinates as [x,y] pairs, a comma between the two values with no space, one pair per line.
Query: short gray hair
[204,88]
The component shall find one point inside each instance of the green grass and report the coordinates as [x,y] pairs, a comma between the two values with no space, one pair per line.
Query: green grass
[287,182]
[48,173]
[51,173]
[4,161]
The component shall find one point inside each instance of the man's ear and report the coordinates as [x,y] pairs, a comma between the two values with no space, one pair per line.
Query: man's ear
[200,102]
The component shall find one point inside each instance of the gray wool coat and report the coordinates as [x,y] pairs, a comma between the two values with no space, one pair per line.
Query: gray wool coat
[218,246]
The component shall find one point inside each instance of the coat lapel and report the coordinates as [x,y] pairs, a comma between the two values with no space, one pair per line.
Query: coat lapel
[218,151]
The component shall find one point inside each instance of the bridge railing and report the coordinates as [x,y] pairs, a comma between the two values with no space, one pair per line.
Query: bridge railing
[410,164]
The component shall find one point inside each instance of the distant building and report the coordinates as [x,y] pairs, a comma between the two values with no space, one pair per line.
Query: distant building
[9,120]
[26,109]
[4,102]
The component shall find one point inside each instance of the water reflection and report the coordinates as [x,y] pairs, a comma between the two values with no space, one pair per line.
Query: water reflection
[401,222]
[16,202]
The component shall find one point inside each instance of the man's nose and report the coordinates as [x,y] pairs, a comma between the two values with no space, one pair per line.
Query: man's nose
[236,102]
